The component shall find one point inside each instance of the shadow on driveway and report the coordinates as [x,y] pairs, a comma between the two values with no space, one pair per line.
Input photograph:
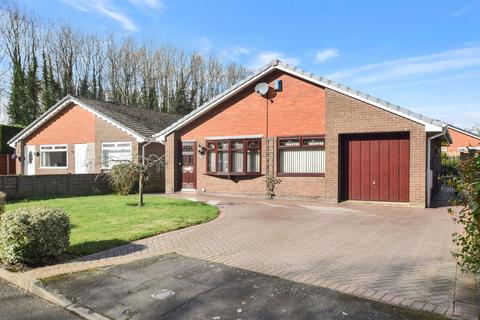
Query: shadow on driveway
[205,290]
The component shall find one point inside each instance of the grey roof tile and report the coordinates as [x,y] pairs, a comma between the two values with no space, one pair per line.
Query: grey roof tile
[143,121]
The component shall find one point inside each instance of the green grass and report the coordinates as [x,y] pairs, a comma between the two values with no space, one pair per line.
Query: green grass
[106,221]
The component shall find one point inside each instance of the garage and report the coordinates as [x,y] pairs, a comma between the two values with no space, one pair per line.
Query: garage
[375,167]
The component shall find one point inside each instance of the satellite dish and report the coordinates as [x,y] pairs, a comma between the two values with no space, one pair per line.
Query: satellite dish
[262,88]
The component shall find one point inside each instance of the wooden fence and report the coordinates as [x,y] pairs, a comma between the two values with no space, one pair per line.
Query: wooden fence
[7,164]
[49,185]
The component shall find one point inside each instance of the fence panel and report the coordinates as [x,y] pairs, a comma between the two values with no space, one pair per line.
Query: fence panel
[48,185]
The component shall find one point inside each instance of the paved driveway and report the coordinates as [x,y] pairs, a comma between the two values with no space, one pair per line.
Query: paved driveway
[396,254]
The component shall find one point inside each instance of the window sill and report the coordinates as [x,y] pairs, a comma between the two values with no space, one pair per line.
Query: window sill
[233,174]
[301,175]
[54,168]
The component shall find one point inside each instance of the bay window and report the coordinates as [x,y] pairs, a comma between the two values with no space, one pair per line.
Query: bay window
[53,156]
[233,157]
[115,152]
[301,156]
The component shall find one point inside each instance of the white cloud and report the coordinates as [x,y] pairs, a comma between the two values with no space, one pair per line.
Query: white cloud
[105,9]
[152,4]
[326,54]
[463,10]
[266,57]
[413,67]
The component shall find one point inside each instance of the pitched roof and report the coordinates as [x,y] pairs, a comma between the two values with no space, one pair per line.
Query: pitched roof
[146,122]
[432,125]
[140,123]
[467,132]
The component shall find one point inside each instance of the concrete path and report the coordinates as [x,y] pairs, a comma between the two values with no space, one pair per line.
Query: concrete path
[399,255]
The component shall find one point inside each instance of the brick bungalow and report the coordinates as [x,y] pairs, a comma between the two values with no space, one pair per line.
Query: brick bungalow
[462,140]
[322,139]
[80,136]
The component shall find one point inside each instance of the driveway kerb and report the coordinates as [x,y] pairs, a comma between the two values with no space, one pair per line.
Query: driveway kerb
[34,287]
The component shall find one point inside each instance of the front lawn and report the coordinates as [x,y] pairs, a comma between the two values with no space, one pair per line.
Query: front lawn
[102,222]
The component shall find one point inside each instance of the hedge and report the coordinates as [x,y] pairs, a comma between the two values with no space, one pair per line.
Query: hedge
[31,235]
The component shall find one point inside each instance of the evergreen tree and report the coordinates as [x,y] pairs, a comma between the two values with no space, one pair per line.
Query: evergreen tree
[101,94]
[83,92]
[32,87]
[18,97]
[48,96]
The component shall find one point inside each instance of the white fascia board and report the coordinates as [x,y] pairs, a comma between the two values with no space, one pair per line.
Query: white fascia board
[429,127]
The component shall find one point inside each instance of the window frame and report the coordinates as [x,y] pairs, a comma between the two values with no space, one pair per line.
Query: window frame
[245,148]
[53,150]
[301,146]
[103,166]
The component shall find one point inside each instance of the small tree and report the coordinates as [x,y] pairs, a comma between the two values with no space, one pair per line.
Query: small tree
[123,176]
[467,186]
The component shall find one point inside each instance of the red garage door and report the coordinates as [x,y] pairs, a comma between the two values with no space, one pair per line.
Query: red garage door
[375,167]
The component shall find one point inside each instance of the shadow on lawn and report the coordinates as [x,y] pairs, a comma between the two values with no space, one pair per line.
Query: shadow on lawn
[93,249]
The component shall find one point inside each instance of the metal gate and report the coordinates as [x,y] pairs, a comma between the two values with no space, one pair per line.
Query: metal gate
[444,192]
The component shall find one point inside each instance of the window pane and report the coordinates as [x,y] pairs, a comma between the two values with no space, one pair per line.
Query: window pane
[211,145]
[222,165]
[211,161]
[237,161]
[223,145]
[302,161]
[237,145]
[313,142]
[113,156]
[253,144]
[290,142]
[253,160]
[54,159]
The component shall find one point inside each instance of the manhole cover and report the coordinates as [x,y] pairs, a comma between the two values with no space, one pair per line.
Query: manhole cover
[162,294]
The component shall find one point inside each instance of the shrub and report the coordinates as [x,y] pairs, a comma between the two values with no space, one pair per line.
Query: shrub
[30,235]
[123,177]
[467,186]
[270,186]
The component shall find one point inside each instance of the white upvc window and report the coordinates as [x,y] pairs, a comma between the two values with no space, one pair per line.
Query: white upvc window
[115,152]
[54,156]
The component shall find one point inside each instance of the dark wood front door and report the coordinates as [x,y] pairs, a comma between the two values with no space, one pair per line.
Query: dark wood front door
[376,167]
[188,156]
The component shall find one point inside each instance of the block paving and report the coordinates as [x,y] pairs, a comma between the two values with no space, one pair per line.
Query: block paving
[398,255]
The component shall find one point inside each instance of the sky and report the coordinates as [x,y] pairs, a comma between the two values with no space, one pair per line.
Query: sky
[423,55]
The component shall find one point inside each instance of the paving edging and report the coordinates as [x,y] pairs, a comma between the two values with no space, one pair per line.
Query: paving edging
[33,286]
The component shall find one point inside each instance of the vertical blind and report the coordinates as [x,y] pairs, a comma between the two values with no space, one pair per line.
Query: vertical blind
[302,160]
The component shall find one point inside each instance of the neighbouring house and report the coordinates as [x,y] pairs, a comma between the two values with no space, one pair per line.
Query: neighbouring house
[79,136]
[7,161]
[322,139]
[462,141]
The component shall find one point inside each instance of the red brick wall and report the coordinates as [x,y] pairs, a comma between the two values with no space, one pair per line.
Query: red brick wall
[298,110]
[461,140]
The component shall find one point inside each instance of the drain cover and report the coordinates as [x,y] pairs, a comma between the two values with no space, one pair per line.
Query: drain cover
[162,294]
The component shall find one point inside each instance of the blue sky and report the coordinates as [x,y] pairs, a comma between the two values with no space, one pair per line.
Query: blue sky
[424,55]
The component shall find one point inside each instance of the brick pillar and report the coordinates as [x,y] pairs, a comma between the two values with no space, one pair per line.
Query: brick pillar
[171,163]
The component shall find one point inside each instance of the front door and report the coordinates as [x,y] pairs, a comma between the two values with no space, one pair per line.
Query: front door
[29,160]
[81,158]
[189,174]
